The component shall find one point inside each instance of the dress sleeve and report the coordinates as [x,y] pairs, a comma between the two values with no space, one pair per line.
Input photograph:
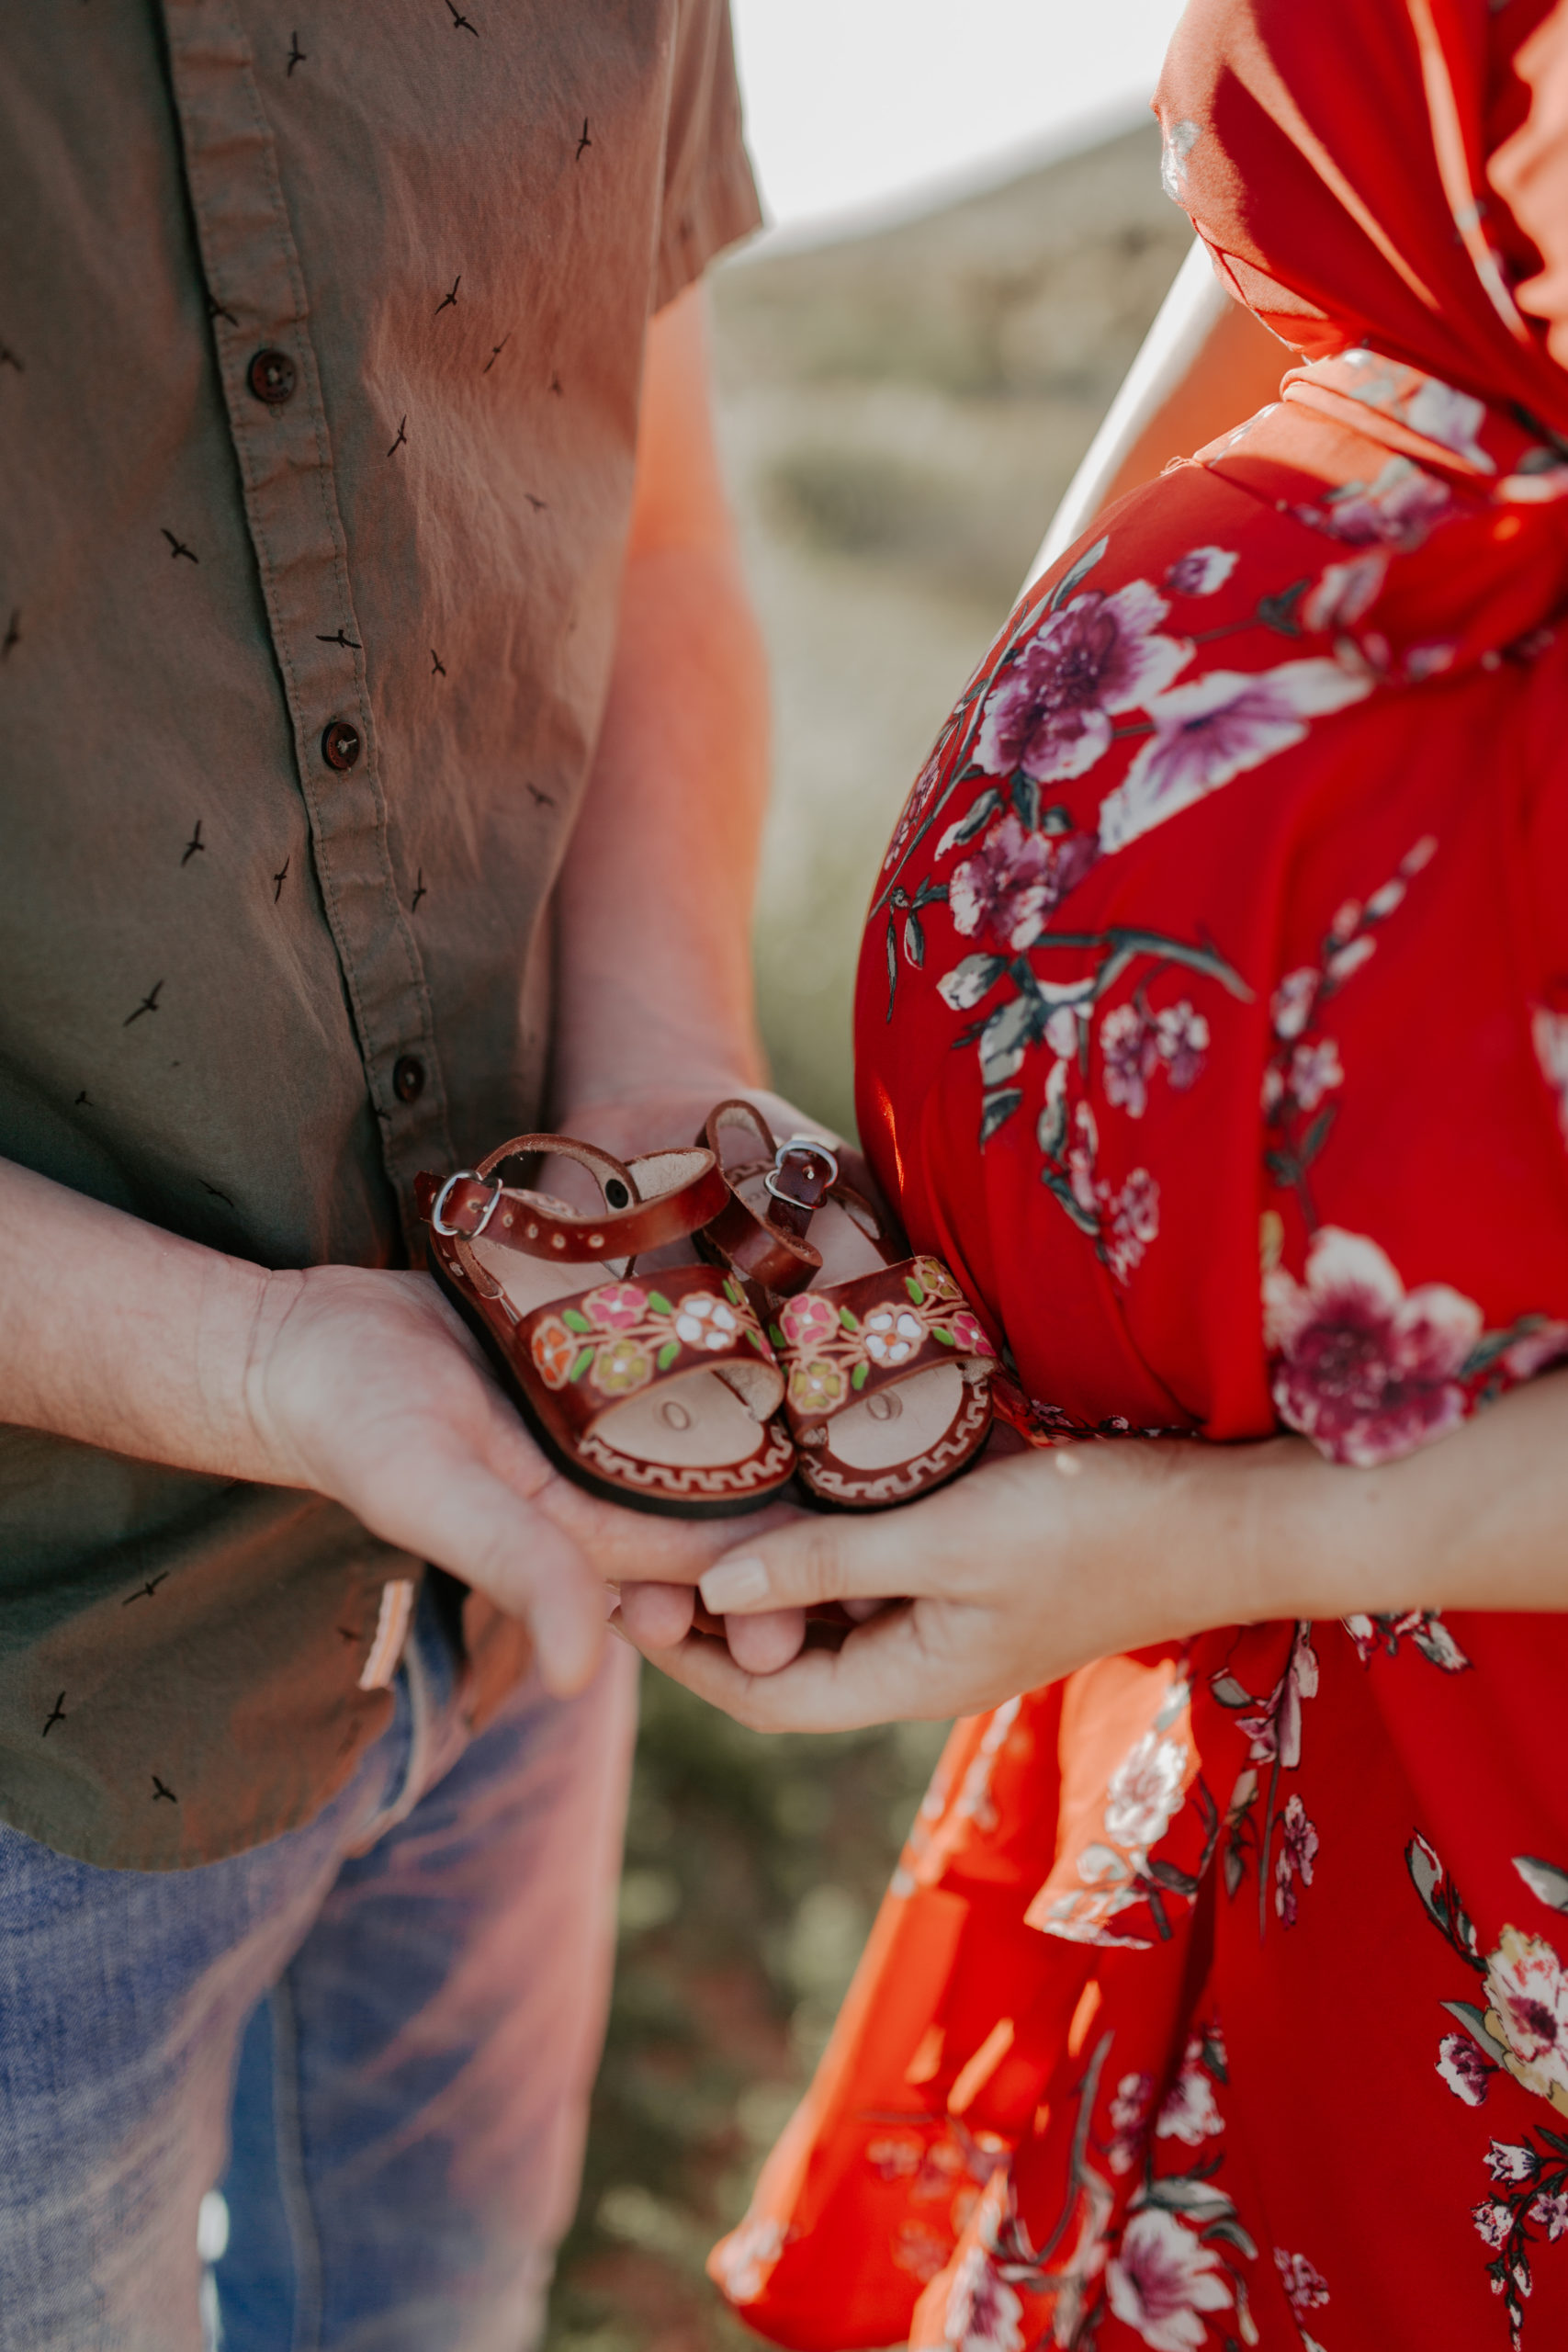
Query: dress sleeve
[710,198]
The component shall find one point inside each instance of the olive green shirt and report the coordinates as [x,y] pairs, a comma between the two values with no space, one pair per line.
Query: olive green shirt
[321,339]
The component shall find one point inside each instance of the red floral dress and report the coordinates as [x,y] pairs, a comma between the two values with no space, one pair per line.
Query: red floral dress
[1214,1027]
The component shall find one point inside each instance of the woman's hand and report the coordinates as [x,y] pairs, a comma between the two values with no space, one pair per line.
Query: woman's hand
[1030,1566]
[1037,1563]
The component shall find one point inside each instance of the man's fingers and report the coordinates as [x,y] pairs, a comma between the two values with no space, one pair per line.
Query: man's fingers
[762,1644]
[481,1529]
[883,1670]
[657,1616]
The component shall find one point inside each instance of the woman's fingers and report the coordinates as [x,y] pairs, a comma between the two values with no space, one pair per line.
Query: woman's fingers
[926,1547]
[657,1616]
[885,1669]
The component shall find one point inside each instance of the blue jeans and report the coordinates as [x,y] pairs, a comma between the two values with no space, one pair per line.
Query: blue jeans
[377,2035]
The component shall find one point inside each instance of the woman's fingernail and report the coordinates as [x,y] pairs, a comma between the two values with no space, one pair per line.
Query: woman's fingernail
[734,1584]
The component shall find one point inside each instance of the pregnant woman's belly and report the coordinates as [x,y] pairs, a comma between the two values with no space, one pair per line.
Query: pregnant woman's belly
[1210,1017]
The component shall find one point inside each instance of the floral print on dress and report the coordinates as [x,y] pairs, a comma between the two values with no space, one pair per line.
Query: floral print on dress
[1522,2030]
[1306,2290]
[1049,715]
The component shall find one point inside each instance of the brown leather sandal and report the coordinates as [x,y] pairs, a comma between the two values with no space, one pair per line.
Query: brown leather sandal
[658,1392]
[889,1372]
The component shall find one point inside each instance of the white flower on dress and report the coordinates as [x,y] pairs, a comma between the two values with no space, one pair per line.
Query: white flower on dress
[1511,2163]
[1306,2288]
[1367,1370]
[1315,1069]
[1212,730]
[1528,2013]
[1129,2122]
[1467,2071]
[1130,1221]
[1552,2212]
[1144,1794]
[1200,570]
[1162,2278]
[1187,2112]
[1291,1006]
[1450,418]
[1548,1034]
[743,2261]
[983,2312]
[1399,509]
[1493,2224]
[1343,592]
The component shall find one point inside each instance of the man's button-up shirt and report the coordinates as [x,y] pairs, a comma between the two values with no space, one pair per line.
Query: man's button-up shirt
[318,380]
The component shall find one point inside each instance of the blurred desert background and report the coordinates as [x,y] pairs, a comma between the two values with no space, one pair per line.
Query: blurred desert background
[900,413]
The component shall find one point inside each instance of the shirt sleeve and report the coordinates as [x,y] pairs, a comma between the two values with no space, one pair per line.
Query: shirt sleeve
[710,197]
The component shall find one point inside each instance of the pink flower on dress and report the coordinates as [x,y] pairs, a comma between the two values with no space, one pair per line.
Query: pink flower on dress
[1129,2122]
[1367,1370]
[1297,1852]
[922,792]
[1531,1353]
[1399,509]
[1316,1070]
[1014,879]
[1343,592]
[1290,1007]
[1131,1221]
[615,1306]
[1131,1047]
[982,2312]
[1209,732]
[1182,1037]
[1162,2278]
[1306,2288]
[1188,2111]
[807,1319]
[1049,714]
[1552,2212]
[1200,570]
[1467,2071]
[743,2261]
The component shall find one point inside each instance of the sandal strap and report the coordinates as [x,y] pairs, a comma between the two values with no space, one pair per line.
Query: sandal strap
[841,1345]
[771,1248]
[664,1196]
[603,1345]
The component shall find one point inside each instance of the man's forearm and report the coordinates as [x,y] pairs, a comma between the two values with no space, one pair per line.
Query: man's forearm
[122,1335]
[655,899]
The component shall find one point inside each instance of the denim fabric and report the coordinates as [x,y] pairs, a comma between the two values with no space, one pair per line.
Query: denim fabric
[392,2015]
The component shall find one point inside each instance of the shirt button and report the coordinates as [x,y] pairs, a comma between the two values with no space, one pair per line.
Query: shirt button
[339,744]
[408,1078]
[272,377]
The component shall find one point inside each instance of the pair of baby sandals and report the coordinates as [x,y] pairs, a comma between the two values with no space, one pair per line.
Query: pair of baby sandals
[798,1342]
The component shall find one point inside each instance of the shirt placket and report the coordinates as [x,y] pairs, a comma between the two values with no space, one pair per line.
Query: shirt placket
[272,392]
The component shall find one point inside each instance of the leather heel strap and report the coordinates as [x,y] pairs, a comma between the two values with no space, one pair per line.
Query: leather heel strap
[769,1245]
[662,1197]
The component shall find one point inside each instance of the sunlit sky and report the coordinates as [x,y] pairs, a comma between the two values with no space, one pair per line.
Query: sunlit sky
[865,106]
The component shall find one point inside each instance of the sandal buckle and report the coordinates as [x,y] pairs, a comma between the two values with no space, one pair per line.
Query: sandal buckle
[438,1217]
[799,1143]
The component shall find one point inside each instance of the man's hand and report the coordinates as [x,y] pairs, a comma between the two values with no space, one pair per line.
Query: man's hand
[366,1386]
